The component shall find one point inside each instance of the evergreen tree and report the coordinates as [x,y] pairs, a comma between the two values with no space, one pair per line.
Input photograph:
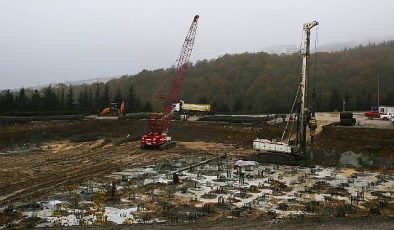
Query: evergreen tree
[138,105]
[83,100]
[118,97]
[203,100]
[369,102]
[70,98]
[105,99]
[90,101]
[214,106]
[8,101]
[61,97]
[147,107]
[389,98]
[35,101]
[22,100]
[319,102]
[335,101]
[238,106]
[49,100]
[224,108]
[359,103]
[131,101]
[97,98]
[249,108]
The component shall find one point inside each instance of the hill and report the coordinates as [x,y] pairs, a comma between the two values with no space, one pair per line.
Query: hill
[261,82]
[247,82]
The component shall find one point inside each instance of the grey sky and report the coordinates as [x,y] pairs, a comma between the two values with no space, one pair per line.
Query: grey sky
[46,41]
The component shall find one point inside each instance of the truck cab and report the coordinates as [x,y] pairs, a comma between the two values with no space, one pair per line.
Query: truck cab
[373,113]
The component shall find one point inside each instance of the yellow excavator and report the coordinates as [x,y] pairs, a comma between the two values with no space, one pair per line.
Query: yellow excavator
[114,110]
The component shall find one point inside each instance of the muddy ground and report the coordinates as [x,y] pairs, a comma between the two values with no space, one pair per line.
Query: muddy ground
[45,156]
[363,223]
[39,158]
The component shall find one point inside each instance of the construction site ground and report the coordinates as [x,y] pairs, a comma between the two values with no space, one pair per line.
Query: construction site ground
[43,156]
[362,223]
[38,159]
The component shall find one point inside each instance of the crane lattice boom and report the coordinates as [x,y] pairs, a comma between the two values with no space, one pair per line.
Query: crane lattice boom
[182,63]
[158,127]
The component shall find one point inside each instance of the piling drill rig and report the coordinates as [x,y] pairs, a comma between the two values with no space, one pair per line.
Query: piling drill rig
[158,135]
[305,116]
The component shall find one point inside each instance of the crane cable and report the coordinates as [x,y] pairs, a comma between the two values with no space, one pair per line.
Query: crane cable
[298,89]
[291,112]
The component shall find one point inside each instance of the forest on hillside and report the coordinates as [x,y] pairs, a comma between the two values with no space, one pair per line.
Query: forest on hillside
[240,83]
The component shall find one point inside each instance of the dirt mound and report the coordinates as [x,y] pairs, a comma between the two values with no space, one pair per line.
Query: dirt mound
[375,144]
[36,133]
[365,140]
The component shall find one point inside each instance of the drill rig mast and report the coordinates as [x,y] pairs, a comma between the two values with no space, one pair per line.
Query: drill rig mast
[157,135]
[307,116]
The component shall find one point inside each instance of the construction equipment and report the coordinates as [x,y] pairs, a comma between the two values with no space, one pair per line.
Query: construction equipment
[157,135]
[113,110]
[305,116]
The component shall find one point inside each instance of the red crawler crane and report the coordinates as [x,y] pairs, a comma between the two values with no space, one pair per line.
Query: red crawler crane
[157,135]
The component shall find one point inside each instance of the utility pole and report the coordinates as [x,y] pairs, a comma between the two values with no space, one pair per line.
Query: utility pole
[378,89]
[305,116]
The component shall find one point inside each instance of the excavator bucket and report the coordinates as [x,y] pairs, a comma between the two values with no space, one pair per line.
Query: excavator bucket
[122,109]
[105,111]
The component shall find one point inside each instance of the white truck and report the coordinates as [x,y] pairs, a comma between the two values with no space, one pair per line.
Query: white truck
[386,112]
[385,117]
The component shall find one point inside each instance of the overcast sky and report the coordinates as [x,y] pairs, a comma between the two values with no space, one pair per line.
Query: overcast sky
[48,41]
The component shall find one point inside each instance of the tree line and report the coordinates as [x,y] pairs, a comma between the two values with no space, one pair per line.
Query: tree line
[62,99]
[239,83]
